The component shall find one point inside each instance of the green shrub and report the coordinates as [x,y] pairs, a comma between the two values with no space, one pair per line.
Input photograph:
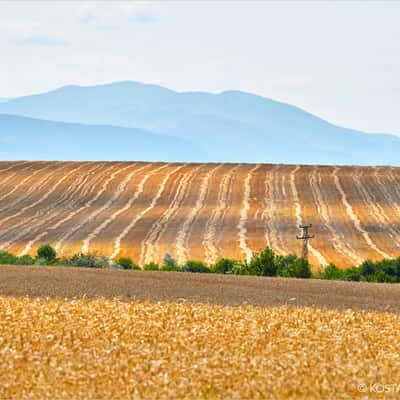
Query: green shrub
[283,262]
[47,252]
[151,267]
[352,274]
[127,263]
[7,258]
[25,260]
[367,268]
[169,260]
[224,266]
[166,267]
[380,271]
[195,266]
[40,261]
[89,261]
[241,268]
[298,269]
[262,264]
[331,272]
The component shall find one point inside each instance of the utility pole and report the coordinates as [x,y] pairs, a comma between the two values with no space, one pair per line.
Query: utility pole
[304,237]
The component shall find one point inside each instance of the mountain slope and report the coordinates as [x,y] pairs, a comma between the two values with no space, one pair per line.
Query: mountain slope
[27,138]
[230,126]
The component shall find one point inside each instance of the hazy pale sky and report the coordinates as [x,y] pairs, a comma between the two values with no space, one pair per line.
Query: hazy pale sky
[338,60]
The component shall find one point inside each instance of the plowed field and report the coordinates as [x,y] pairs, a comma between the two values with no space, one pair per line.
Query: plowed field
[199,211]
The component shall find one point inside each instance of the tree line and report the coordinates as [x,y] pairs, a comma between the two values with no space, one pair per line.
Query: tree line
[264,263]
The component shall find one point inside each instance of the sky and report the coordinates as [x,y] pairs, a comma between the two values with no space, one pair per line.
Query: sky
[338,60]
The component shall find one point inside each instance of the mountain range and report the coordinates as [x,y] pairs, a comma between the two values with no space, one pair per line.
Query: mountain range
[27,138]
[131,120]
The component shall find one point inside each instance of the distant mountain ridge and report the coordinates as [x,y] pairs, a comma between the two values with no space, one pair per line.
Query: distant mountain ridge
[27,138]
[231,126]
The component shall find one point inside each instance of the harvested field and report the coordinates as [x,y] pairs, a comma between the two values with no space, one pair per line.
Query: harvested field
[200,211]
[108,349]
[224,290]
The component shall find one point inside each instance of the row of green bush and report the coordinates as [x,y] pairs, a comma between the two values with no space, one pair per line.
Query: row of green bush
[265,263]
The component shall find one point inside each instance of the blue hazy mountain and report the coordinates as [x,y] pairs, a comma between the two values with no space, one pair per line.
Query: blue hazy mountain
[228,126]
[3,100]
[27,138]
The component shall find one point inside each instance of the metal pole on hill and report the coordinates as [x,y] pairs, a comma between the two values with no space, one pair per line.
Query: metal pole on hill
[304,237]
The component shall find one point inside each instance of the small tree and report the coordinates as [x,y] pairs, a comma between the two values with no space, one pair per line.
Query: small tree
[151,267]
[47,253]
[195,266]
[331,272]
[263,263]
[224,266]
[282,263]
[26,260]
[169,261]
[298,269]
[127,263]
[7,258]
[89,261]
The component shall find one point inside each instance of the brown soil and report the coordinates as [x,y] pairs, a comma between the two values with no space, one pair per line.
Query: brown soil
[216,289]
[143,210]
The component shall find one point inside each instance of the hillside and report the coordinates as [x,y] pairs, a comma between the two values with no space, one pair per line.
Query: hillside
[231,126]
[28,138]
[200,211]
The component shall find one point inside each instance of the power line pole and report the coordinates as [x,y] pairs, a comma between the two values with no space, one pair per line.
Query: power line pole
[304,237]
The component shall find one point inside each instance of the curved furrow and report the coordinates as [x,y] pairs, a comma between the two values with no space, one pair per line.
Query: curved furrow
[353,217]
[139,216]
[267,209]
[321,259]
[37,187]
[390,191]
[209,241]
[91,188]
[395,182]
[15,174]
[226,224]
[181,239]
[196,234]
[389,196]
[61,242]
[14,164]
[269,215]
[36,219]
[120,190]
[39,216]
[338,241]
[87,186]
[74,190]
[244,214]
[113,216]
[374,206]
[255,235]
[26,193]
[281,210]
[151,242]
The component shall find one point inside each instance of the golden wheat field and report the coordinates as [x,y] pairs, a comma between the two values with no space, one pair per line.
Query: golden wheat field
[199,211]
[111,349]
